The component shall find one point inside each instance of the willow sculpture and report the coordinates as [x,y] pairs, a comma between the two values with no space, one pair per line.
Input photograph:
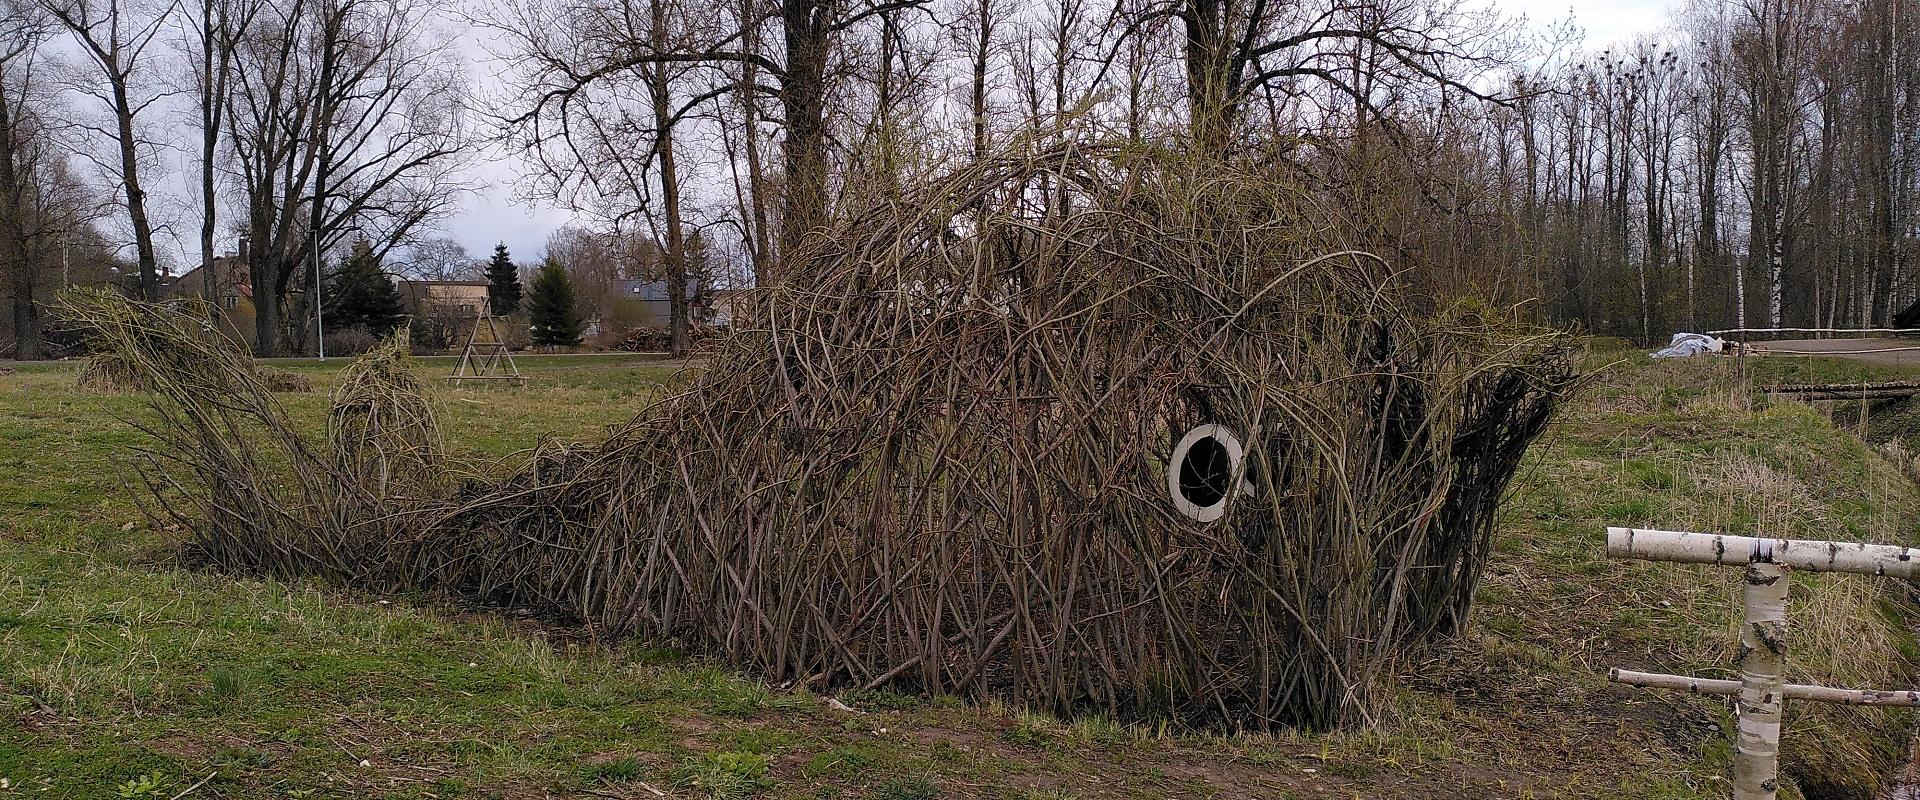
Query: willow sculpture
[1081,430]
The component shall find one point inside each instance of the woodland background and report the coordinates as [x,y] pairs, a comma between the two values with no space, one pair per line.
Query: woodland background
[1751,165]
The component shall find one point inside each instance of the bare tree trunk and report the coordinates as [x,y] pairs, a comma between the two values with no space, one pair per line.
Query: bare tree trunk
[1776,263]
[117,51]
[15,250]
[149,262]
[268,299]
[756,194]
[1707,254]
[981,48]
[659,87]
[1212,71]
[804,150]
[215,67]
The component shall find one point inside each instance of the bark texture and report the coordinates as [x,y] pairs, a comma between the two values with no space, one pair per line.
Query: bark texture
[1763,650]
[1815,556]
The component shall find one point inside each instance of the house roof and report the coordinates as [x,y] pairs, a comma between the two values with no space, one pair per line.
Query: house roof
[187,282]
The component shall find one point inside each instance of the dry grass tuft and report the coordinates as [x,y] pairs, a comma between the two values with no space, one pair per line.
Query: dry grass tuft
[280,380]
[109,372]
[106,372]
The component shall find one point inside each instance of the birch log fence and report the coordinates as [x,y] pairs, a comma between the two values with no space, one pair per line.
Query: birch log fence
[1763,640]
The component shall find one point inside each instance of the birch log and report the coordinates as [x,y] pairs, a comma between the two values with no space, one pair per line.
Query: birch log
[1791,691]
[1763,649]
[1714,548]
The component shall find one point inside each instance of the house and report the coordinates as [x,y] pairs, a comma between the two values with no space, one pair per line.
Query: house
[232,293]
[644,304]
[726,307]
[443,298]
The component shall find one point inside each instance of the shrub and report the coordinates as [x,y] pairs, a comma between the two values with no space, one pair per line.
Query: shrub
[350,341]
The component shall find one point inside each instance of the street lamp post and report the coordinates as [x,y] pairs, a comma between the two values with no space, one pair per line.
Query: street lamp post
[319,323]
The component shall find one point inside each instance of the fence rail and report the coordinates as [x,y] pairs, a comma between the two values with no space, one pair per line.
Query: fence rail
[1763,636]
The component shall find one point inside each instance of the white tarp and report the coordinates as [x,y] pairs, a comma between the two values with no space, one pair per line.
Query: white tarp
[1685,345]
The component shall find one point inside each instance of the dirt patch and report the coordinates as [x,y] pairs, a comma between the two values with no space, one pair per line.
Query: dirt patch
[39,720]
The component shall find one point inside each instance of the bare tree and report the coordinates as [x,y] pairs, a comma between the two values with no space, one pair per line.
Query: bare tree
[347,122]
[440,258]
[808,32]
[1233,49]
[215,29]
[45,209]
[1770,50]
[608,146]
[22,29]
[1660,74]
[1710,128]
[115,36]
[974,32]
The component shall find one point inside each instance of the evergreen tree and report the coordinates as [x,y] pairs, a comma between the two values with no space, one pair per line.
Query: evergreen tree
[550,310]
[360,294]
[503,282]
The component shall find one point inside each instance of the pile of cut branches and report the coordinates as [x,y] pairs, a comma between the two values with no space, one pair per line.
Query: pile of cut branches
[938,460]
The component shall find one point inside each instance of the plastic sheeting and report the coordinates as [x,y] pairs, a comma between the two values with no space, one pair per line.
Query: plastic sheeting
[1686,345]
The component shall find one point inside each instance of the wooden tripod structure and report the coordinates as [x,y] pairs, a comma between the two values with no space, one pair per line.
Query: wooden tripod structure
[486,357]
[1763,636]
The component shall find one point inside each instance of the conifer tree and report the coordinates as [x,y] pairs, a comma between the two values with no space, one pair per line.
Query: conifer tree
[360,294]
[503,282]
[551,314]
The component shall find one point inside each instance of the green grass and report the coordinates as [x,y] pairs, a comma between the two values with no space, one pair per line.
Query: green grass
[122,675]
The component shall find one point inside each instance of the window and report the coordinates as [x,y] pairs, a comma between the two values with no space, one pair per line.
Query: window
[1205,471]
[229,301]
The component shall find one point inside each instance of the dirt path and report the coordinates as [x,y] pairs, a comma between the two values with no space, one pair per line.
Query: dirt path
[1888,352]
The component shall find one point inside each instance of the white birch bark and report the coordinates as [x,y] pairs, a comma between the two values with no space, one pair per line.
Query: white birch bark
[1739,291]
[1712,548]
[1763,647]
[1776,262]
[1792,691]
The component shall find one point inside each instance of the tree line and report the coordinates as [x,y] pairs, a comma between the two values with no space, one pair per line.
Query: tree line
[1752,166]
[362,304]
[303,126]
[1748,166]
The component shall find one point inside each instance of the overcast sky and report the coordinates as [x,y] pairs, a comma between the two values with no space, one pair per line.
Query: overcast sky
[493,216]
[1605,22]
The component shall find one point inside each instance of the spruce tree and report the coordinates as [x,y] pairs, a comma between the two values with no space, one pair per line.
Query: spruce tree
[550,312]
[360,294]
[503,282]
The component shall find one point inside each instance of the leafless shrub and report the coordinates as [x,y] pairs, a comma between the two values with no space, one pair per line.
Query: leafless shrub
[351,341]
[106,372]
[280,380]
[111,372]
[229,464]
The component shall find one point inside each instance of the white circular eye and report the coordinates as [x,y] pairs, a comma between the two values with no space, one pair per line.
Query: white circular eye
[1206,469]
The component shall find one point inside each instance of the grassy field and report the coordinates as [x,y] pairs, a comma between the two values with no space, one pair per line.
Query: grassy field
[122,675]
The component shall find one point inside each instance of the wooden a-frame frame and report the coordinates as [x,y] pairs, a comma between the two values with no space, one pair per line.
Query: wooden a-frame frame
[485,357]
